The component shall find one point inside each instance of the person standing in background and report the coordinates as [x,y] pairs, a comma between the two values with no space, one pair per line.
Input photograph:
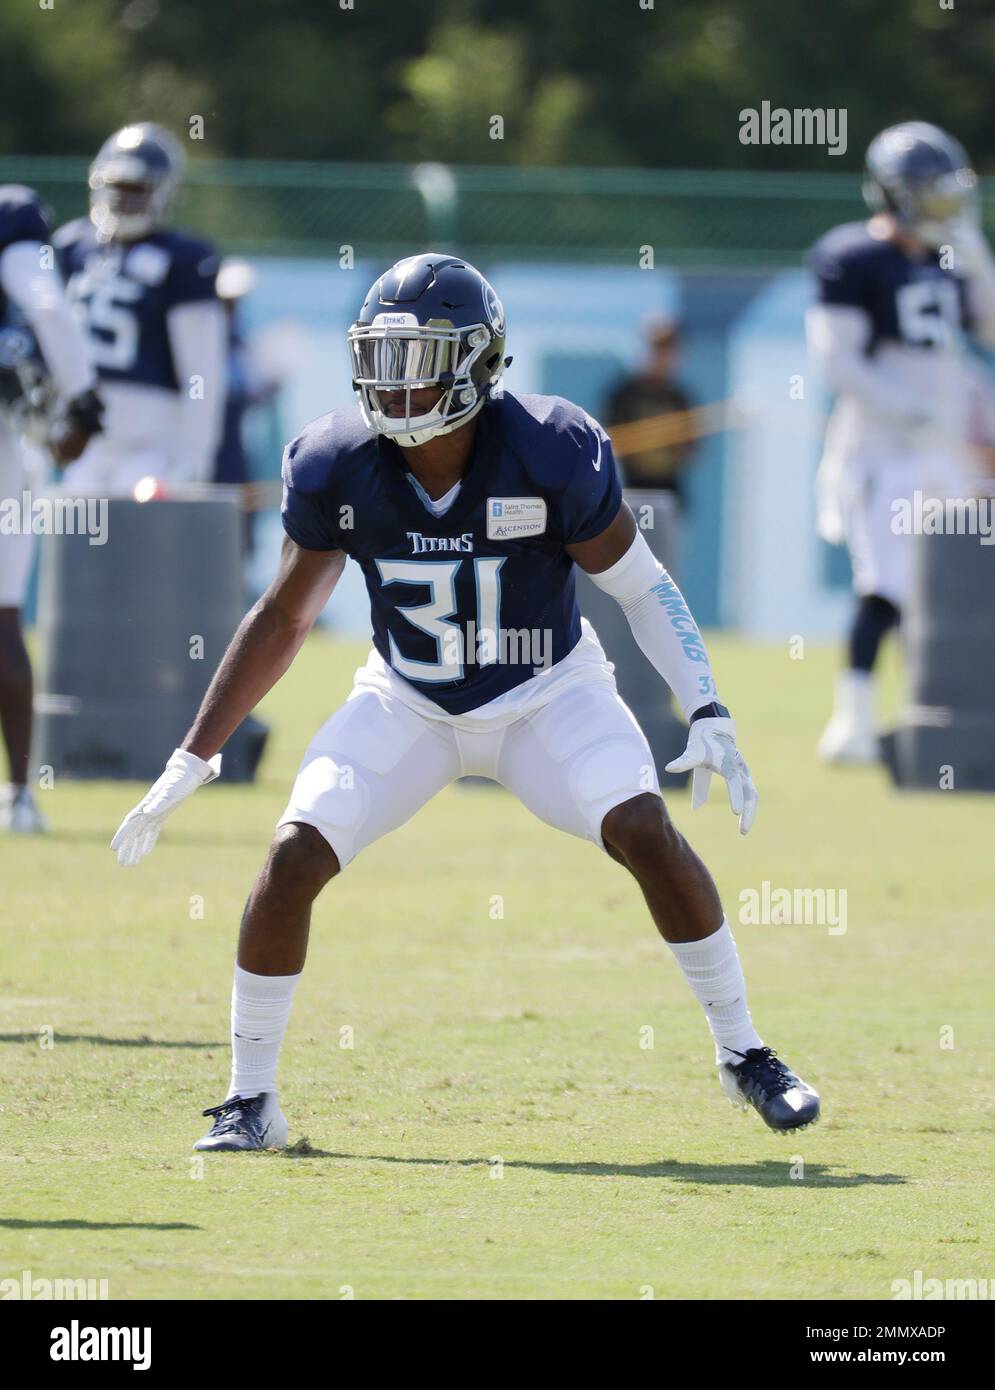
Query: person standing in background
[39,330]
[235,280]
[146,297]
[654,390]
[249,383]
[897,299]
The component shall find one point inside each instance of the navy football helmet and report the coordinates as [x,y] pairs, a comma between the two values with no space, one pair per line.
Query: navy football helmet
[922,176]
[133,180]
[431,320]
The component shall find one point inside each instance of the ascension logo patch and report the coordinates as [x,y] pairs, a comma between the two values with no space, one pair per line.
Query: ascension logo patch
[514,518]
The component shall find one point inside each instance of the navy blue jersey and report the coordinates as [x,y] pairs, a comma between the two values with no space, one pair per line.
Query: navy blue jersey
[911,301]
[452,597]
[124,291]
[21,216]
[21,219]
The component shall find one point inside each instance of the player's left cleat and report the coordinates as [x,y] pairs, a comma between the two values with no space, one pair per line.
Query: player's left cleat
[244,1125]
[781,1099]
[19,814]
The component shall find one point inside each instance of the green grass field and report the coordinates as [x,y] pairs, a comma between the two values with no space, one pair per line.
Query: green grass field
[497,1130]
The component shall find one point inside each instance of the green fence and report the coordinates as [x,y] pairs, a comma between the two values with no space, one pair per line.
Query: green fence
[382,210]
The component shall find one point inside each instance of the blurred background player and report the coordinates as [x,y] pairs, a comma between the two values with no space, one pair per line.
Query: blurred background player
[653,390]
[895,298]
[235,279]
[252,383]
[654,393]
[157,330]
[45,374]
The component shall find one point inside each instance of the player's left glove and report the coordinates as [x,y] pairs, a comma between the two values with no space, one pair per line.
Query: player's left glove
[82,418]
[712,748]
[139,830]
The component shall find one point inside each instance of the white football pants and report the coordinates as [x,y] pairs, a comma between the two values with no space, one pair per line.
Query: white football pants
[565,744]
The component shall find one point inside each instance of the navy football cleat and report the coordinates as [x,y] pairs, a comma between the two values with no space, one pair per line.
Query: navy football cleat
[243,1125]
[781,1099]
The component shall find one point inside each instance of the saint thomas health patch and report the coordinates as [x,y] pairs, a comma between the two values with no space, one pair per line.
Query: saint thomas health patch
[512,518]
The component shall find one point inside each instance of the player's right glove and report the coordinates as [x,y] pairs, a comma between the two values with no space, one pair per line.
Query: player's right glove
[139,830]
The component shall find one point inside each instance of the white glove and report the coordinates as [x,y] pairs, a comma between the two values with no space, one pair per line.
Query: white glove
[712,748]
[139,830]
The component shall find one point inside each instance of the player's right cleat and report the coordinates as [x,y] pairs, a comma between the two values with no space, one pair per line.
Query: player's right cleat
[244,1125]
[842,742]
[19,814]
[850,737]
[781,1099]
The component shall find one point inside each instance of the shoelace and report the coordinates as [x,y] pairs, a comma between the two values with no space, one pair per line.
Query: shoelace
[766,1070]
[229,1114]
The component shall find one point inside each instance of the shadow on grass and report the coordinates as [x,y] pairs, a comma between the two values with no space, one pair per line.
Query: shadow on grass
[769,1173]
[14,1223]
[101,1041]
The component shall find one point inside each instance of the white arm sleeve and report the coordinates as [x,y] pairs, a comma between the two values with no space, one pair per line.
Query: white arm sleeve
[661,623]
[838,335]
[37,290]
[198,337]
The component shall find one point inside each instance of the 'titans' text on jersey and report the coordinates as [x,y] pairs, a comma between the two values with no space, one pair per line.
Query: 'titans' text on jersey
[542,476]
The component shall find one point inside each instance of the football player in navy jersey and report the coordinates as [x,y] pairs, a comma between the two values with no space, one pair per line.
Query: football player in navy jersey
[896,298]
[467,509]
[146,296]
[38,329]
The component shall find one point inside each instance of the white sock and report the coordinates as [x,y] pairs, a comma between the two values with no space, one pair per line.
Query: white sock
[712,969]
[260,1012]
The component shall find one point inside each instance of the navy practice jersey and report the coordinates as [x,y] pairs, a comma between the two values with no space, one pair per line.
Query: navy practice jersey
[914,302]
[124,291]
[21,219]
[459,600]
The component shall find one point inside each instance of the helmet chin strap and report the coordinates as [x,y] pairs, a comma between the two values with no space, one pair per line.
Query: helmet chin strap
[411,441]
[931,234]
[127,228]
[439,425]
[111,225]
